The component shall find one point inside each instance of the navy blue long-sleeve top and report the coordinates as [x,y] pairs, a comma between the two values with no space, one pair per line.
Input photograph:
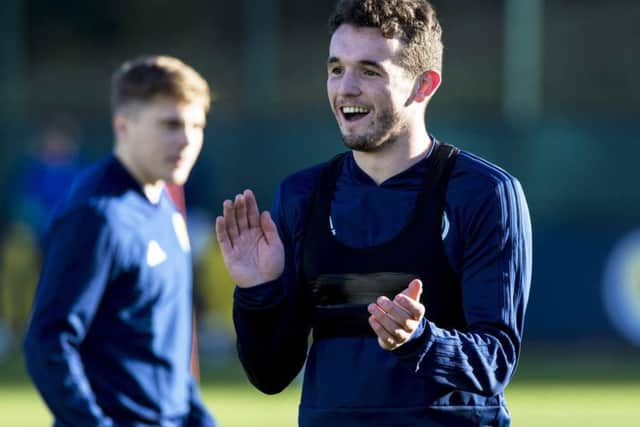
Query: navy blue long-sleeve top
[487,239]
[109,340]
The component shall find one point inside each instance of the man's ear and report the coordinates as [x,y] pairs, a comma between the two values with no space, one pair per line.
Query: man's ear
[120,124]
[426,85]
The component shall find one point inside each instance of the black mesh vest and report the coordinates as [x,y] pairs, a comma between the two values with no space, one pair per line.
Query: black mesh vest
[342,280]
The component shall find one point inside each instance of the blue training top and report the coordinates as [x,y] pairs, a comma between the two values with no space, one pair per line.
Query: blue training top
[109,341]
[487,240]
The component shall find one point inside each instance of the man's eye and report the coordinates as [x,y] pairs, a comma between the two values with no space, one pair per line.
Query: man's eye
[173,125]
[371,73]
[336,71]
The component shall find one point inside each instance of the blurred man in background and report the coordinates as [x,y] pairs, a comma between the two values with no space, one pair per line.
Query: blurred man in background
[43,178]
[109,340]
[409,259]
[48,173]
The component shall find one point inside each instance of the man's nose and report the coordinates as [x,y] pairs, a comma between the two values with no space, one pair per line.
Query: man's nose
[182,137]
[349,84]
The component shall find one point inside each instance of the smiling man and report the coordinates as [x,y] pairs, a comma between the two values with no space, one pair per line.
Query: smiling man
[109,340]
[409,259]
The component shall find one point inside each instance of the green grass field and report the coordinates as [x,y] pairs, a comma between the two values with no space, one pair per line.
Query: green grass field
[532,405]
[574,391]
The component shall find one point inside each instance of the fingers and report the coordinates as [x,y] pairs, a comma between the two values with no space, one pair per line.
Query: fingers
[223,237]
[394,319]
[414,290]
[396,324]
[237,215]
[409,299]
[414,308]
[269,227]
[229,215]
[241,212]
[253,214]
[385,339]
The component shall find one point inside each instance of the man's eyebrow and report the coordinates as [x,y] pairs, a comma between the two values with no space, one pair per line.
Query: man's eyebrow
[170,120]
[367,62]
[370,63]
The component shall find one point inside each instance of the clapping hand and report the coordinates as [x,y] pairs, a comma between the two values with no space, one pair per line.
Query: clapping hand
[395,321]
[251,248]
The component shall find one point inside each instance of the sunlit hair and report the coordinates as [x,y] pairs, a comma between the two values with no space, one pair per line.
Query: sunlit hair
[412,21]
[145,78]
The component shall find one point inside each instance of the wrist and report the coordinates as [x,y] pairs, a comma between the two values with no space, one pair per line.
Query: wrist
[260,296]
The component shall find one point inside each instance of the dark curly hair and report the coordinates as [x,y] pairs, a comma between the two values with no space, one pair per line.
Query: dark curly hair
[412,21]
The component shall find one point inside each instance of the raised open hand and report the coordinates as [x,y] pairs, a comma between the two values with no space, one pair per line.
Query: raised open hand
[394,321]
[251,248]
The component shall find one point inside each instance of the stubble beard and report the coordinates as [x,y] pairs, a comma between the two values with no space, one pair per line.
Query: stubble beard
[383,134]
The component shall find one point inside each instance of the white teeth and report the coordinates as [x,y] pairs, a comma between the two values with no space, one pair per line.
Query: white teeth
[354,110]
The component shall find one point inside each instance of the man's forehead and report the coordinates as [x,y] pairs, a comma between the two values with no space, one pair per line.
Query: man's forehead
[351,43]
[168,109]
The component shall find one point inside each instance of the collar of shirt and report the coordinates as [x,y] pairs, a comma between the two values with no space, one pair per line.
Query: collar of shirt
[409,179]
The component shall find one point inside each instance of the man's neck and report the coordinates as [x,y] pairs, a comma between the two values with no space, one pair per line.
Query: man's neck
[151,190]
[395,157]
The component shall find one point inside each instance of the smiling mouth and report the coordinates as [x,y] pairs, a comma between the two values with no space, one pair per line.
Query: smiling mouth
[353,114]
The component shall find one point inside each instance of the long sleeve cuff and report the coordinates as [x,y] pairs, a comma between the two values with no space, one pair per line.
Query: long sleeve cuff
[263,296]
[417,346]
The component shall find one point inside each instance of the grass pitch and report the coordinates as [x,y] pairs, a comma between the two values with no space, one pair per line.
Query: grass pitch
[532,404]
[568,389]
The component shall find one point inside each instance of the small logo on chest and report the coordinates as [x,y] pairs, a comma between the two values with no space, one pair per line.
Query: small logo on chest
[445,225]
[155,254]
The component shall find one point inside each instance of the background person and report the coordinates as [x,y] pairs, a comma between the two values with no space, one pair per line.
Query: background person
[109,340]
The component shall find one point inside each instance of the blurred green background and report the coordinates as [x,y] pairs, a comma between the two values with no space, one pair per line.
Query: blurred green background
[545,88]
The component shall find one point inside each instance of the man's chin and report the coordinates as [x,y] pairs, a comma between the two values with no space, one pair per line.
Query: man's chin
[362,144]
[178,178]
[354,142]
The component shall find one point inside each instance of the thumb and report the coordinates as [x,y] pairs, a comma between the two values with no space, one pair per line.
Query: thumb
[415,289]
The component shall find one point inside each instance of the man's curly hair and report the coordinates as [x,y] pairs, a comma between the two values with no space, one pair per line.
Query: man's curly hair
[412,21]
